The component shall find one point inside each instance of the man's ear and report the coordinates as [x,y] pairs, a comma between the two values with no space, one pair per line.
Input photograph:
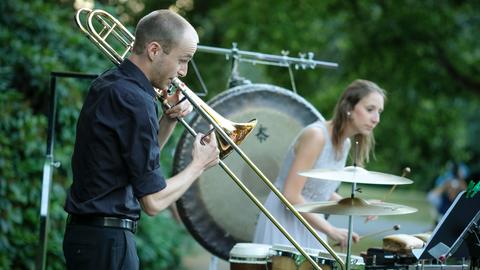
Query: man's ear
[153,49]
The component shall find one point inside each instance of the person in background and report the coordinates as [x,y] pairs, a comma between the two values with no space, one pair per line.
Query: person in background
[116,168]
[323,144]
[447,187]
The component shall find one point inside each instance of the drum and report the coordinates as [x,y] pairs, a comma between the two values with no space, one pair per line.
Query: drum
[401,243]
[289,258]
[249,256]
[356,262]
[214,209]
[423,236]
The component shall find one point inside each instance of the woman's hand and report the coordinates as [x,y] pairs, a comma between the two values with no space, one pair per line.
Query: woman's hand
[340,236]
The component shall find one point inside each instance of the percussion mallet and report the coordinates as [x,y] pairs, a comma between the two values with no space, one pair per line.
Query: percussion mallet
[405,172]
[394,228]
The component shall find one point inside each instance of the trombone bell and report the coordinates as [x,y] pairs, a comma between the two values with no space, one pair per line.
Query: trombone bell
[240,132]
[237,132]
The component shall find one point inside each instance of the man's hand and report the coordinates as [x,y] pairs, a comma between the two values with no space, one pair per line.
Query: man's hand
[205,150]
[174,109]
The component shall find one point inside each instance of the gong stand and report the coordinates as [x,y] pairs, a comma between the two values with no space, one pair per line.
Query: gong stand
[304,61]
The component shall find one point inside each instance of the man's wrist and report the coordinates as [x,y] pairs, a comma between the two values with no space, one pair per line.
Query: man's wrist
[168,120]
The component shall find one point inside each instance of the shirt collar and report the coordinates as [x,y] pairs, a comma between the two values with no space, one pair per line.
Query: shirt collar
[128,67]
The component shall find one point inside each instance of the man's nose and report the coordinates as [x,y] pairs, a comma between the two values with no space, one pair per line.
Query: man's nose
[182,72]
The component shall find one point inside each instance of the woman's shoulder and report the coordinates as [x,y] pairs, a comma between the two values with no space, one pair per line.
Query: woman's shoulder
[311,137]
[315,130]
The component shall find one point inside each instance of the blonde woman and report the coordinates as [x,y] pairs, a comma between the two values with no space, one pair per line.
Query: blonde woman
[323,144]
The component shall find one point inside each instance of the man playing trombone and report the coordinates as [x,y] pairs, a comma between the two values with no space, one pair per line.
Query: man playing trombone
[116,170]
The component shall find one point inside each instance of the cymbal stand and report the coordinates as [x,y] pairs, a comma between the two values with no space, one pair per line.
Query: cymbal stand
[350,217]
[350,229]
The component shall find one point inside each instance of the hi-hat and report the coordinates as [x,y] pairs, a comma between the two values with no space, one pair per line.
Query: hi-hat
[353,174]
[355,207]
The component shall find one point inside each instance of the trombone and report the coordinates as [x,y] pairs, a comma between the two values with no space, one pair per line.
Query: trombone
[228,133]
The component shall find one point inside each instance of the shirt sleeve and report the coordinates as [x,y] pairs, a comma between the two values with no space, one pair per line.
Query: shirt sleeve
[137,130]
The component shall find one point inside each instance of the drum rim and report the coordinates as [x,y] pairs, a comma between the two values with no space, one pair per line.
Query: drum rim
[295,254]
[218,247]
[254,260]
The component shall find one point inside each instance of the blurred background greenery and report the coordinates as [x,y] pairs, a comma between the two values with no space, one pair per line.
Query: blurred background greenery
[424,53]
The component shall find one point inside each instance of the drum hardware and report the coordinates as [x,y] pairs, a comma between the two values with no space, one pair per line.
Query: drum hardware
[405,172]
[126,40]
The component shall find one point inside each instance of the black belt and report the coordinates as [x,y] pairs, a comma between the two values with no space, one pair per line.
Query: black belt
[112,222]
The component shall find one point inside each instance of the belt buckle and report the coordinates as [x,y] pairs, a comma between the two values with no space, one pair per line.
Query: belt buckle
[134,226]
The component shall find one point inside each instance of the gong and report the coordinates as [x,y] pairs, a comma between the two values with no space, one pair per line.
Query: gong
[214,209]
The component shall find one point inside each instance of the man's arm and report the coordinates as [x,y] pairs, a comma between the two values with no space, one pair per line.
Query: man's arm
[205,155]
[167,125]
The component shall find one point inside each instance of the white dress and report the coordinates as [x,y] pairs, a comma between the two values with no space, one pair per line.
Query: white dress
[314,190]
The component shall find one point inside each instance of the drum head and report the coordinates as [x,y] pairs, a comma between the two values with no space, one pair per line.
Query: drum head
[214,209]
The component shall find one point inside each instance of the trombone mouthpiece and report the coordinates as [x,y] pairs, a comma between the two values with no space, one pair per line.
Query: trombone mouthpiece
[176,84]
[171,89]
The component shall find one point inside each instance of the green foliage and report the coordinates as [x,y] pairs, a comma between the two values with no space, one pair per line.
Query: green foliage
[162,242]
[20,165]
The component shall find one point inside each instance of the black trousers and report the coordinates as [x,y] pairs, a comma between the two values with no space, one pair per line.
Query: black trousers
[89,247]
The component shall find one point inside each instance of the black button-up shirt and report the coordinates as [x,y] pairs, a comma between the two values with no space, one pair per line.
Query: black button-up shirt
[116,157]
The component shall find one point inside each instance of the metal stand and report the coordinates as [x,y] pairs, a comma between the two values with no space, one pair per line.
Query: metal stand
[470,235]
[213,263]
[350,218]
[50,164]
[350,230]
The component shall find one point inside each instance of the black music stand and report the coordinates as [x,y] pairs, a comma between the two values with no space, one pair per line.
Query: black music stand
[457,235]
[50,164]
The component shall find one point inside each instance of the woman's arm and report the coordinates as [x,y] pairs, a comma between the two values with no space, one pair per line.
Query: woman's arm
[307,149]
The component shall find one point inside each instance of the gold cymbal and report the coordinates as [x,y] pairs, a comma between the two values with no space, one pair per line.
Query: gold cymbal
[353,174]
[355,207]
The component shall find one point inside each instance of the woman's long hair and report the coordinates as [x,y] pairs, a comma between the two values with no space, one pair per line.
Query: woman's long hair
[357,90]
